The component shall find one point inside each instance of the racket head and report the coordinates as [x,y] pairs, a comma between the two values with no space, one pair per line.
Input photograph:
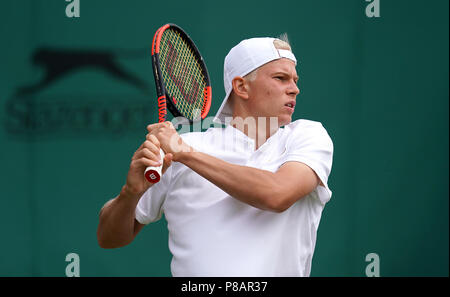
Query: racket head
[181,77]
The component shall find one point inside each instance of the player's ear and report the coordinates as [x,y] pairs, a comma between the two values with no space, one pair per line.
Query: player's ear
[240,87]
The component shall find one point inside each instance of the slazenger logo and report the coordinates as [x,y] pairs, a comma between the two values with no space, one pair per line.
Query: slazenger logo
[29,113]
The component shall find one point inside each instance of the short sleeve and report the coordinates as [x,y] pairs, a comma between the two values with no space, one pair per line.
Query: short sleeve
[309,143]
[150,207]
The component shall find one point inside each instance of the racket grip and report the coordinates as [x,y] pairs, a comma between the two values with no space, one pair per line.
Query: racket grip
[153,174]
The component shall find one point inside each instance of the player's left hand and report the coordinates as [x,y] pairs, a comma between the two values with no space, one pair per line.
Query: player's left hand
[169,139]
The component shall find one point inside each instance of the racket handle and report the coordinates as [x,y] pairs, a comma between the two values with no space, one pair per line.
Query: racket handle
[153,174]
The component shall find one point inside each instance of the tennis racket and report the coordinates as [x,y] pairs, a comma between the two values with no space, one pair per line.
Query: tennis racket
[181,78]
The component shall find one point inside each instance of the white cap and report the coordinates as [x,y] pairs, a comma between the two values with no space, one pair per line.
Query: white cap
[242,59]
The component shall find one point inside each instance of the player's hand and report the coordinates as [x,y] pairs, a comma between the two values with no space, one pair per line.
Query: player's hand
[146,155]
[169,139]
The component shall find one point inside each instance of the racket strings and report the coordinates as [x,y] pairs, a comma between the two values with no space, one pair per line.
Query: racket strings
[182,74]
[192,77]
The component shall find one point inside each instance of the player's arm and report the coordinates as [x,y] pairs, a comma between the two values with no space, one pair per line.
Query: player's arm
[274,191]
[117,224]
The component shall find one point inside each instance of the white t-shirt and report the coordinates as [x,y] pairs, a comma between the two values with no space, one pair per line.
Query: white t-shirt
[213,234]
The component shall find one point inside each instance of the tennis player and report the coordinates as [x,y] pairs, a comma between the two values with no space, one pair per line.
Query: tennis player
[243,200]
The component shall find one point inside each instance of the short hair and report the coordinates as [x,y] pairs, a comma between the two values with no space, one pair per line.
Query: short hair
[281,42]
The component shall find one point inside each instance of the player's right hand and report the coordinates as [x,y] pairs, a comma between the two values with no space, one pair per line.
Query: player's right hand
[146,155]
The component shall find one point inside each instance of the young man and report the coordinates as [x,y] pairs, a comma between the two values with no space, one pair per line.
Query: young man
[244,200]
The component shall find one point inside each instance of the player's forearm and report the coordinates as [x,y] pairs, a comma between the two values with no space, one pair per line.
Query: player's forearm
[259,188]
[116,223]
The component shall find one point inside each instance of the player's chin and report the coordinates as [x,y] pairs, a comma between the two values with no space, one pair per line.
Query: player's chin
[284,120]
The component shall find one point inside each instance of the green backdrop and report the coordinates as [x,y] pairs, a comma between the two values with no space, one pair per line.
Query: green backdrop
[378,85]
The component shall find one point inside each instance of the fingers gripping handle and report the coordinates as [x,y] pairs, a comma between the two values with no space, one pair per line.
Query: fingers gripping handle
[153,174]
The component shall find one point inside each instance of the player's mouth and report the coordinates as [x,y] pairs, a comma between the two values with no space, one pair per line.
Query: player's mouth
[290,106]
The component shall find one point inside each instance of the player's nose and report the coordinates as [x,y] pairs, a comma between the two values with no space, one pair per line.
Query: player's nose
[293,89]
